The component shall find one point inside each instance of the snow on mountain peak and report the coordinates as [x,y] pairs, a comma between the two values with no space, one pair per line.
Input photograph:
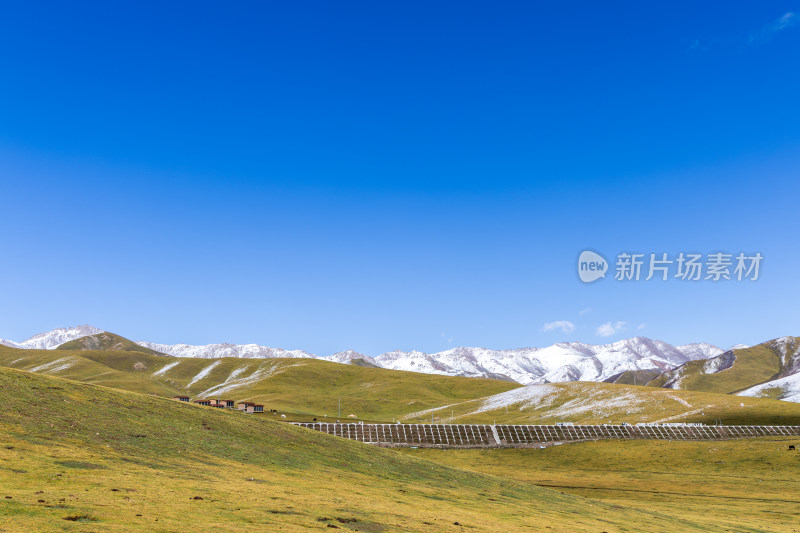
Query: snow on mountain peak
[348,356]
[565,361]
[212,351]
[50,340]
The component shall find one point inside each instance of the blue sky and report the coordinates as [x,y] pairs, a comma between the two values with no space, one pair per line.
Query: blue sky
[422,175]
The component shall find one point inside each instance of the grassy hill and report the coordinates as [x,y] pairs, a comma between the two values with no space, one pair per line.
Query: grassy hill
[735,370]
[106,341]
[77,457]
[599,403]
[304,387]
[309,388]
[634,377]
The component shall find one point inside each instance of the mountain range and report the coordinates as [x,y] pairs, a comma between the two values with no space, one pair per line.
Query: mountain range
[569,361]
[767,370]
[53,338]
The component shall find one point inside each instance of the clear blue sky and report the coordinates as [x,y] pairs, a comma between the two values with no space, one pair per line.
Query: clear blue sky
[414,175]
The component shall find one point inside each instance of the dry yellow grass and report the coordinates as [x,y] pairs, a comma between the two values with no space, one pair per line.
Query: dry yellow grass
[77,457]
[749,485]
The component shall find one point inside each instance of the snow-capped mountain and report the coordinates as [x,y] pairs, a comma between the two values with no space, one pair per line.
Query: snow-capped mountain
[347,356]
[52,339]
[560,362]
[213,351]
[572,361]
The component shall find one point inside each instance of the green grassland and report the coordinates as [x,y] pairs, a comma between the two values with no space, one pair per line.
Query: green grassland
[747,485]
[599,403]
[304,388]
[78,457]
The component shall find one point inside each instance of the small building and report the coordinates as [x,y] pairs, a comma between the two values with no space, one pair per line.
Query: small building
[230,404]
[181,398]
[243,405]
[203,402]
[254,408]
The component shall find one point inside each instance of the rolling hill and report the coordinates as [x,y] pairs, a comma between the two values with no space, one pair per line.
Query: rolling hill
[600,403]
[106,341]
[304,387]
[770,369]
[76,456]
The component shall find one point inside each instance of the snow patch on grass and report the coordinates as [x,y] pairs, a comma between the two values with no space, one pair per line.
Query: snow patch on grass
[789,387]
[55,366]
[233,381]
[203,373]
[680,400]
[425,412]
[166,368]
[613,406]
[527,396]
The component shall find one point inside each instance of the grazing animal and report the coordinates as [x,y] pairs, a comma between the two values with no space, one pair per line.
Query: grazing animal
[283,416]
[791,446]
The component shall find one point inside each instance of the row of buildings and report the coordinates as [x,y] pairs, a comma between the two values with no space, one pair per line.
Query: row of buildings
[247,407]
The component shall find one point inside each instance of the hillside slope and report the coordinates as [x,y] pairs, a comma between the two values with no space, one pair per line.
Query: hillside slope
[566,361]
[305,387]
[600,403]
[308,388]
[741,369]
[94,457]
[106,341]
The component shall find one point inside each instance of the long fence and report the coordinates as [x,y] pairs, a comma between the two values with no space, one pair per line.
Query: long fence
[483,436]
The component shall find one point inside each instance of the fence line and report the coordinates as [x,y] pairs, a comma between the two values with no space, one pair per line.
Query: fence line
[482,436]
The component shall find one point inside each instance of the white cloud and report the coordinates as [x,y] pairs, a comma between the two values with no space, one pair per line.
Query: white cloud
[584,311]
[447,338]
[754,38]
[564,325]
[609,328]
[641,326]
[787,20]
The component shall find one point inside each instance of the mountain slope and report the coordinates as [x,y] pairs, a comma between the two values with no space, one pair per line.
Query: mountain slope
[96,458]
[306,387]
[786,386]
[105,341]
[51,339]
[561,362]
[739,370]
[309,388]
[215,351]
[600,403]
